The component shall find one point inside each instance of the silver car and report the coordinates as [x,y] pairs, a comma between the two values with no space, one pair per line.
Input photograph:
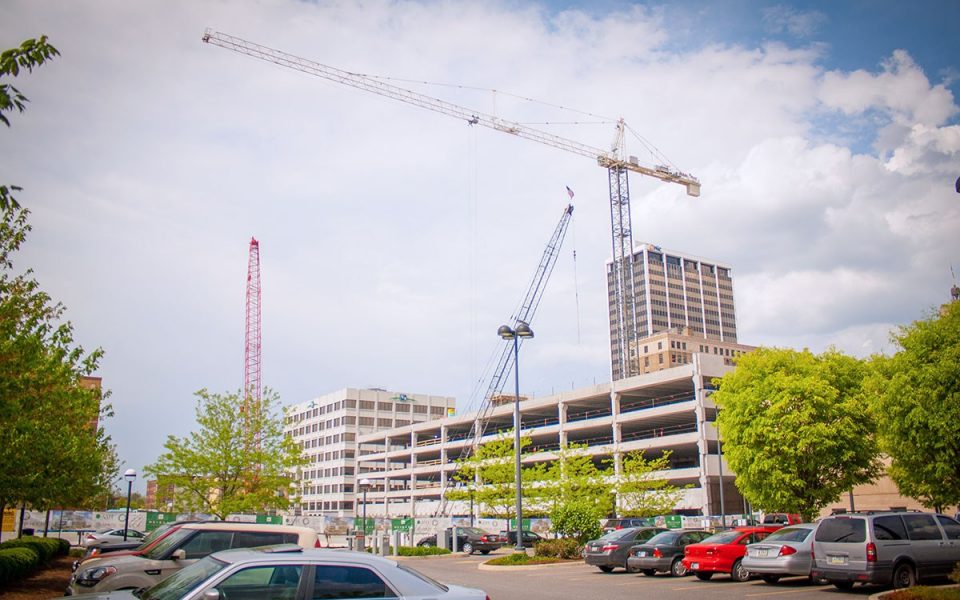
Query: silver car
[783,553]
[288,572]
[110,536]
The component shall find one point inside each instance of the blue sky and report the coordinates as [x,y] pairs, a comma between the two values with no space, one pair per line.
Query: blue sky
[395,241]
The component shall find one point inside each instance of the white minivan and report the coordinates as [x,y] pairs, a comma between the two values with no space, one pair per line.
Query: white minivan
[183,547]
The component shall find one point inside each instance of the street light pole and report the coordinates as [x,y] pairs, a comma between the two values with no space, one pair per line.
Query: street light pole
[364,484]
[506,332]
[129,475]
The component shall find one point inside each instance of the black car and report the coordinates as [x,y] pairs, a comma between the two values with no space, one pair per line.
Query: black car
[610,551]
[664,552]
[611,524]
[469,540]
[529,538]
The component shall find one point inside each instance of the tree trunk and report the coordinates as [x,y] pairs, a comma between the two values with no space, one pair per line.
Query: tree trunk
[23,508]
[46,523]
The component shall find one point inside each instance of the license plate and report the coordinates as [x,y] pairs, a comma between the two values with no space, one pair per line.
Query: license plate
[642,553]
[837,560]
[694,566]
[762,553]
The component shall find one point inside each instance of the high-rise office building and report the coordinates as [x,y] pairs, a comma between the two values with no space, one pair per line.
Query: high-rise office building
[673,292]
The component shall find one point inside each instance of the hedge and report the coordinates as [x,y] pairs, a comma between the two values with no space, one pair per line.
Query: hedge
[420,551]
[566,548]
[46,548]
[15,563]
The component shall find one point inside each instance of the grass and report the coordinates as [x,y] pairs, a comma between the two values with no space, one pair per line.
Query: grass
[925,593]
[520,558]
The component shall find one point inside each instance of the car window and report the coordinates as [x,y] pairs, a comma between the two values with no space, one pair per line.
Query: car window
[789,534]
[667,538]
[724,537]
[951,527]
[617,534]
[641,535]
[842,530]
[277,582]
[251,539]
[207,542]
[921,527]
[335,582]
[184,581]
[889,527]
[168,543]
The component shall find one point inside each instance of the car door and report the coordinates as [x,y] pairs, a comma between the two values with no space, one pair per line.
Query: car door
[337,582]
[951,530]
[275,582]
[927,544]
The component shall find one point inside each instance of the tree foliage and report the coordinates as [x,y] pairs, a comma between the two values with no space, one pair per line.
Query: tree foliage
[231,464]
[794,429]
[641,492]
[915,400]
[53,454]
[488,477]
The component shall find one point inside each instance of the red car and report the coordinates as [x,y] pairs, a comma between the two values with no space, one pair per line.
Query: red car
[722,552]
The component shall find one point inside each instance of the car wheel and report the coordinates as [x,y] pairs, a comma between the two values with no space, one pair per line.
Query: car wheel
[738,572]
[771,578]
[904,577]
[677,569]
[703,575]
[649,572]
[467,548]
[605,569]
[843,585]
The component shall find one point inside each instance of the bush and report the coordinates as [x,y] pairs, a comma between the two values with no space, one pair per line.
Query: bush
[17,562]
[955,576]
[521,558]
[421,551]
[64,547]
[578,520]
[46,548]
[565,548]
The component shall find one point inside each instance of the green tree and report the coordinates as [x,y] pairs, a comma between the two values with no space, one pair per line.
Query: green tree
[915,400]
[231,464]
[794,428]
[489,477]
[641,492]
[577,519]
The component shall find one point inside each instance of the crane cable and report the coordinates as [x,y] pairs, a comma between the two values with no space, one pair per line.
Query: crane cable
[576,286]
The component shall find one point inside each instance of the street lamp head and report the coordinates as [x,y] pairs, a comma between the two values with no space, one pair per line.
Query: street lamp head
[523,330]
[364,483]
[130,474]
[506,332]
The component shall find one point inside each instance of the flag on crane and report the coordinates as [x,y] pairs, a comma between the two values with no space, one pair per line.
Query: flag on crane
[569,192]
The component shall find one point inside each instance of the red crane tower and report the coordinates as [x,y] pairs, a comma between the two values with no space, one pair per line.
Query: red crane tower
[251,367]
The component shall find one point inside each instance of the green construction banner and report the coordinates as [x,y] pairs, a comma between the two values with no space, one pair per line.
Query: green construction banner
[401,525]
[674,521]
[369,526]
[156,519]
[270,519]
[513,524]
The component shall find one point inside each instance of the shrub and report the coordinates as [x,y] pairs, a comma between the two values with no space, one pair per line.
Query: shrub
[578,520]
[955,576]
[565,548]
[17,562]
[421,551]
[521,558]
[46,548]
[64,547]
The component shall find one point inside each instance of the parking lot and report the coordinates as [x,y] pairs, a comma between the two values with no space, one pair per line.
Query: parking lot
[577,580]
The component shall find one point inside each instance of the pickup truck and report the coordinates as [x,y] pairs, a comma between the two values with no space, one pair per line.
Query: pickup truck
[469,540]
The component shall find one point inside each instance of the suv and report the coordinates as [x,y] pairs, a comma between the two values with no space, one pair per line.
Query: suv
[469,540]
[614,524]
[896,548]
[178,549]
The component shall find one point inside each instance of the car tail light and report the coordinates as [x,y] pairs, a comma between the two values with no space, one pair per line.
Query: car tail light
[786,551]
[608,548]
[813,555]
[657,553]
[316,544]
[871,552]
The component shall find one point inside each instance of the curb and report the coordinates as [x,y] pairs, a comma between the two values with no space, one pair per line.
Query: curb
[885,593]
[485,567]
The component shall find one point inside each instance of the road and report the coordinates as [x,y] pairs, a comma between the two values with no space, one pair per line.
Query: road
[576,580]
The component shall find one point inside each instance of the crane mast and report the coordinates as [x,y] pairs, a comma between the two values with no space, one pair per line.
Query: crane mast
[614,160]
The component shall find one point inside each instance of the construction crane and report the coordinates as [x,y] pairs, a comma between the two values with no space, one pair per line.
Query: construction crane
[507,359]
[251,354]
[615,160]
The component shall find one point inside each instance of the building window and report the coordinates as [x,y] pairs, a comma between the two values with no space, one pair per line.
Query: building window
[385,406]
[437,410]
[419,409]
[660,356]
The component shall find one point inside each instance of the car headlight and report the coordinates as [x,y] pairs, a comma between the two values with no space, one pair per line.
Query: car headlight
[92,577]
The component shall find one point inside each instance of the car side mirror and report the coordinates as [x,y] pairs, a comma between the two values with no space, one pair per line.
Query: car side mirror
[213,594]
[180,554]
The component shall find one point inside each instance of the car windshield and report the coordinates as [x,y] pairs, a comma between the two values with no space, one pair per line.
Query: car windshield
[168,543]
[423,577]
[616,534]
[666,538]
[471,530]
[724,537]
[183,581]
[150,537]
[789,534]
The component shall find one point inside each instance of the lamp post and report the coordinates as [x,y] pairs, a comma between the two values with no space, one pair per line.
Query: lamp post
[364,484]
[129,475]
[506,332]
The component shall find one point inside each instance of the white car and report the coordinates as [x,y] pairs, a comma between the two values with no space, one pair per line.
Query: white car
[290,572]
[110,536]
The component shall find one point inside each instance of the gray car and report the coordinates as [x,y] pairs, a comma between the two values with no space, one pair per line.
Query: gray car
[290,573]
[783,553]
[611,549]
[664,552]
[898,548]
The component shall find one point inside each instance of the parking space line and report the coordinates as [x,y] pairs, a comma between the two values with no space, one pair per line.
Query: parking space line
[692,587]
[780,593]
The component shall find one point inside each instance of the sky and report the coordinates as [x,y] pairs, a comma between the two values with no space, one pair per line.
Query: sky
[394,241]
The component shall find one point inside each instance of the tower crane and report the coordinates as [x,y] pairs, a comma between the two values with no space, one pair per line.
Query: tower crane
[618,166]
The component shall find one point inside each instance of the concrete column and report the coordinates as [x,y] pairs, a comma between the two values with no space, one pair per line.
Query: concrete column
[563,423]
[703,447]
